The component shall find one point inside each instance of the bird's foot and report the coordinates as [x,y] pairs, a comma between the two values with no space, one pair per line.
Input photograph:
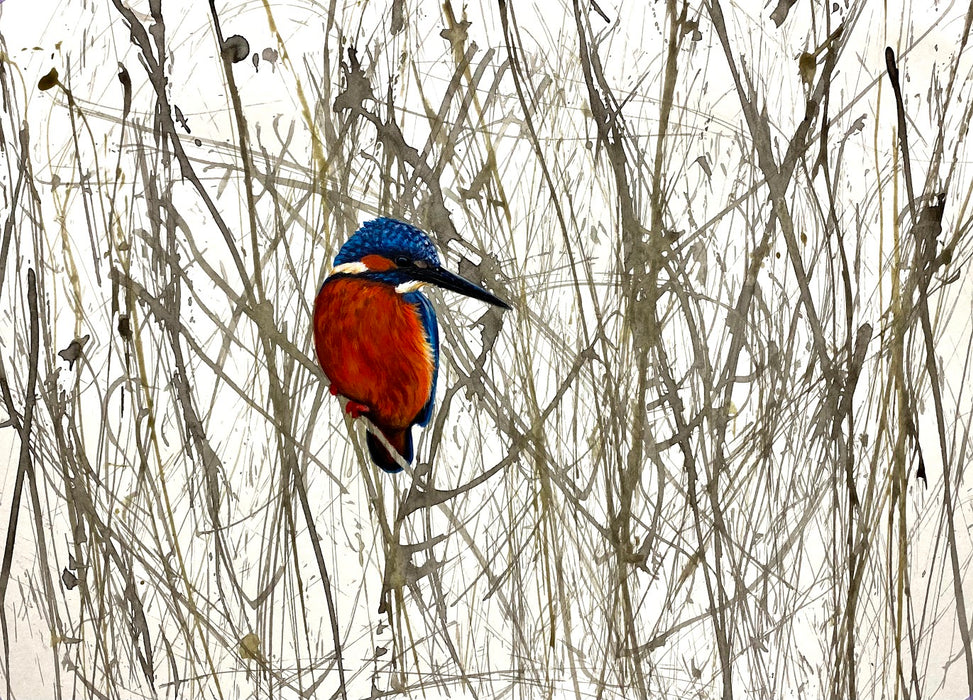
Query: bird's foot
[355,409]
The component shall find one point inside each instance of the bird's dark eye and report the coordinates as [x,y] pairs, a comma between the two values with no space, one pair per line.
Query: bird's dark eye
[401,261]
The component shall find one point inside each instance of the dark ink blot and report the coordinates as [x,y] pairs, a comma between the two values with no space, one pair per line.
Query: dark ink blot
[236,48]
[69,580]
[704,164]
[457,33]
[808,65]
[492,323]
[692,26]
[48,81]
[357,87]
[780,12]
[124,327]
[126,80]
[250,647]
[197,142]
[181,118]
[269,55]
[72,352]
[398,16]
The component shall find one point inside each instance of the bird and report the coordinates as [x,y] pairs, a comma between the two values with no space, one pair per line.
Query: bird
[377,336]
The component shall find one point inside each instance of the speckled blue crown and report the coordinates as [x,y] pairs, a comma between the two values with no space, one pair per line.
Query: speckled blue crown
[387,237]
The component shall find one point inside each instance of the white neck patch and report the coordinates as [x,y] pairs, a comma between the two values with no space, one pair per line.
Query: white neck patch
[410,286]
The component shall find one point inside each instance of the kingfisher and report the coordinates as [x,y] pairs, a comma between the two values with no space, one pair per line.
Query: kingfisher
[376,334]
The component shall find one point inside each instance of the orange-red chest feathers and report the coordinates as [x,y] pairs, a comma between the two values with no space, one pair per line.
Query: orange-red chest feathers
[372,345]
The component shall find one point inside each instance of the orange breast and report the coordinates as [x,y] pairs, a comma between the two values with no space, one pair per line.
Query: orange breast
[373,348]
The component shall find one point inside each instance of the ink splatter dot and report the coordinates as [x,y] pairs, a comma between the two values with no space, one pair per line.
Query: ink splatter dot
[48,81]
[72,353]
[236,48]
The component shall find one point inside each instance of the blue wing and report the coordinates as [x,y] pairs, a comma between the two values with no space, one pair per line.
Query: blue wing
[427,314]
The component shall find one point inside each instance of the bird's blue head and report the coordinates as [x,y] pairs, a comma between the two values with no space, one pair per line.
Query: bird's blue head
[395,253]
[390,239]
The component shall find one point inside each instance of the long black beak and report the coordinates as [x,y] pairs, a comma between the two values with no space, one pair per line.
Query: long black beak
[447,280]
